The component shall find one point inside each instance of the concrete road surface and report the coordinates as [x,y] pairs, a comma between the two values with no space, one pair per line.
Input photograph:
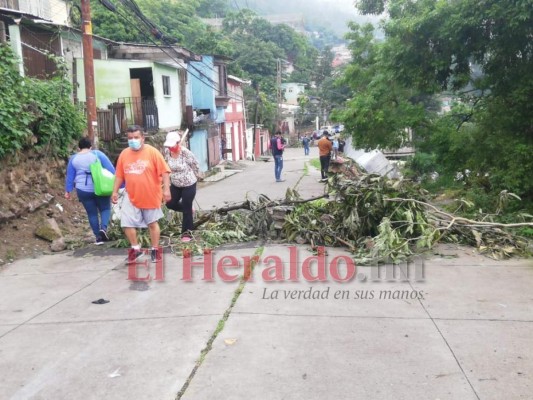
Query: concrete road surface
[454,325]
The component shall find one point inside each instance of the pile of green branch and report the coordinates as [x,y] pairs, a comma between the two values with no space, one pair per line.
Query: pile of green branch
[383,220]
[378,219]
[241,222]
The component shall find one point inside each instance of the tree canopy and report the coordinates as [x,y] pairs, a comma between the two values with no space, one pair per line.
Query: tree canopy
[479,52]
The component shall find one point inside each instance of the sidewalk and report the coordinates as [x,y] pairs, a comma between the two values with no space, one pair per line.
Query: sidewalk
[461,331]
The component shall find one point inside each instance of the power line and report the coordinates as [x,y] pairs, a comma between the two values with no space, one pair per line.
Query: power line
[177,61]
[35,49]
[153,30]
[135,9]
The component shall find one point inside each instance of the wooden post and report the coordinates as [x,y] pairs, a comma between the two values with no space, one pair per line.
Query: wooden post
[256,144]
[88,67]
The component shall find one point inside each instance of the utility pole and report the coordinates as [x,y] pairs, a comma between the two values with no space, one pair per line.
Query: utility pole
[256,148]
[88,68]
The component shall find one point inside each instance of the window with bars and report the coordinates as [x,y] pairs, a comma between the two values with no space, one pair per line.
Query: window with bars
[166,85]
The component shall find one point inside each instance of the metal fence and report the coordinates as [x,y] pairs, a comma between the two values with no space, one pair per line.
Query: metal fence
[114,121]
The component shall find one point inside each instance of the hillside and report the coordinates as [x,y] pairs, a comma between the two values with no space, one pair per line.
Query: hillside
[330,14]
[33,192]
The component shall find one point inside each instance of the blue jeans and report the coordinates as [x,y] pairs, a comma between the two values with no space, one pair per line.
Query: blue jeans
[306,149]
[98,209]
[278,166]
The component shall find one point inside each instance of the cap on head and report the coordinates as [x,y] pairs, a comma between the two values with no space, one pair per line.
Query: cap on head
[172,139]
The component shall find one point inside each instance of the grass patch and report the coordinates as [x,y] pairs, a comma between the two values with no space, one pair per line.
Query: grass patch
[315,162]
[306,169]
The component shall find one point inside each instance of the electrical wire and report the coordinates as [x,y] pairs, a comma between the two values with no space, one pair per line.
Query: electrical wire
[43,52]
[135,9]
[158,34]
[235,96]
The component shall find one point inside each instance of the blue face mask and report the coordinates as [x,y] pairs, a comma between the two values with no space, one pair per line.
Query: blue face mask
[134,144]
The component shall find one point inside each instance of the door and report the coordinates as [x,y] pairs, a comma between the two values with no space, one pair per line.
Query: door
[198,145]
[136,101]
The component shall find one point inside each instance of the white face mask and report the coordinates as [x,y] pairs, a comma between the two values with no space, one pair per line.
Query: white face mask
[134,144]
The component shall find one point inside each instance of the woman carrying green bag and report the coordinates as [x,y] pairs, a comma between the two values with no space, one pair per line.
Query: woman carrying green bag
[98,208]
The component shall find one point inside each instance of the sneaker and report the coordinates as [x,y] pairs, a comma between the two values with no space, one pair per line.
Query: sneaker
[186,239]
[280,180]
[134,256]
[98,241]
[103,235]
[155,255]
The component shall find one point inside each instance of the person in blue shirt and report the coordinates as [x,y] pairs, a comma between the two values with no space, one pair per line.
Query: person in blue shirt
[305,142]
[98,208]
[335,147]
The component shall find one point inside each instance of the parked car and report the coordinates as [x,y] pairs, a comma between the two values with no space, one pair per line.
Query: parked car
[338,128]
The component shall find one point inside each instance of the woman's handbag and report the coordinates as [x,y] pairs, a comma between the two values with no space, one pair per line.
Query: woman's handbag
[103,180]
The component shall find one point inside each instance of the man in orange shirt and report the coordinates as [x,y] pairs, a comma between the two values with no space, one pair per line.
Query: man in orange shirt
[324,151]
[143,168]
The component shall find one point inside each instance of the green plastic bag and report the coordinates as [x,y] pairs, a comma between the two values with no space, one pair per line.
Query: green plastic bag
[103,180]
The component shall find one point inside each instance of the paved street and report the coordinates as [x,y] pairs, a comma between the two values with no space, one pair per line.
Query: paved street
[455,325]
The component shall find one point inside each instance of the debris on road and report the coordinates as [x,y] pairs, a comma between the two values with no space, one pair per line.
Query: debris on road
[378,219]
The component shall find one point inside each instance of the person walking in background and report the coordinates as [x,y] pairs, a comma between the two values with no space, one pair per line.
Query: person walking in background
[324,151]
[185,172]
[143,168]
[98,208]
[335,145]
[315,137]
[277,146]
[342,143]
[305,142]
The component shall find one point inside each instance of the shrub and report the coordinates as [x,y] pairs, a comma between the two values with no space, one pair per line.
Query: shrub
[36,113]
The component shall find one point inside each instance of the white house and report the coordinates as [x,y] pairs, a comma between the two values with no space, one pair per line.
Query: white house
[292,91]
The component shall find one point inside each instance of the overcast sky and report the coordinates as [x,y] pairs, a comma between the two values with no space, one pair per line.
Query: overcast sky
[333,14]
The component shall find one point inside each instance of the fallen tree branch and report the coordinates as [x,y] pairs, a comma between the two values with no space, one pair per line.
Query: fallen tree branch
[347,244]
[290,202]
[454,219]
[247,205]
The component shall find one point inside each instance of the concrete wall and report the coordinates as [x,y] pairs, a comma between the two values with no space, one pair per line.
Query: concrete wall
[51,10]
[198,145]
[201,93]
[112,81]
[169,107]
[291,92]
[59,11]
